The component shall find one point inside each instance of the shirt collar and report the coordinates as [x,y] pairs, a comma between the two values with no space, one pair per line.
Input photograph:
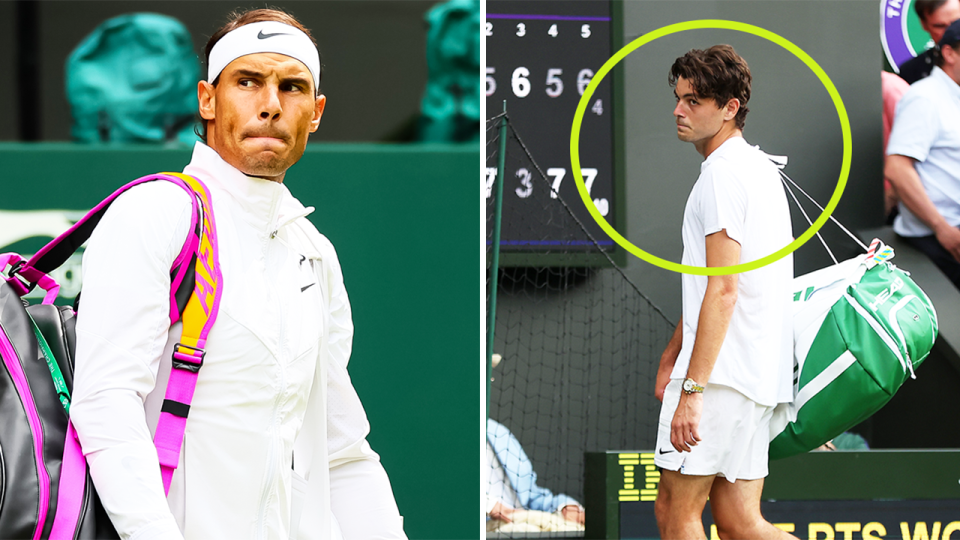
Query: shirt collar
[945,79]
[728,145]
[266,205]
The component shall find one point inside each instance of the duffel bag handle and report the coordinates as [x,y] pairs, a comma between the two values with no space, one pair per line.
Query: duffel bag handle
[30,275]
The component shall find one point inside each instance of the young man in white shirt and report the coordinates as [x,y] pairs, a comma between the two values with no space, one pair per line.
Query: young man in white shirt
[923,159]
[728,362]
[275,442]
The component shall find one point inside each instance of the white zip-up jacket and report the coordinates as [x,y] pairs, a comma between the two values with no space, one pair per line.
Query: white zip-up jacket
[261,435]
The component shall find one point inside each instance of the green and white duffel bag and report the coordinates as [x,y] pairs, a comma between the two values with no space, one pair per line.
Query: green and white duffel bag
[861,327]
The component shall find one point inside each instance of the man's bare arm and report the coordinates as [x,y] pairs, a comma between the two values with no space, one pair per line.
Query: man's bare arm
[903,175]
[668,359]
[715,314]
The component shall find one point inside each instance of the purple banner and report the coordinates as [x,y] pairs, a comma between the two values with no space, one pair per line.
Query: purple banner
[893,18]
[545,17]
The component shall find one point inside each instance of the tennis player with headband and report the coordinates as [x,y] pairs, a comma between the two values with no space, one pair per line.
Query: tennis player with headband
[275,443]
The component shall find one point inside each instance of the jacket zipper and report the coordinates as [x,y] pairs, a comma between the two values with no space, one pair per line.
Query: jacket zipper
[275,428]
[12,362]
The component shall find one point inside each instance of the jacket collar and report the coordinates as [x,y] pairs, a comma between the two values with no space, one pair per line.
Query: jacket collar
[265,205]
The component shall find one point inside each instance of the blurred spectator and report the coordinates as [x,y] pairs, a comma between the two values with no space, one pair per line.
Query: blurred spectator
[515,503]
[923,159]
[134,79]
[893,88]
[451,103]
[935,17]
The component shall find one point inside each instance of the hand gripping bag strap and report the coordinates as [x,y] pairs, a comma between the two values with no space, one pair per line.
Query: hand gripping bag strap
[198,318]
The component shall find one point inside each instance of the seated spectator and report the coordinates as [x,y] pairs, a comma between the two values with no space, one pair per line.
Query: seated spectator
[923,159]
[935,17]
[515,503]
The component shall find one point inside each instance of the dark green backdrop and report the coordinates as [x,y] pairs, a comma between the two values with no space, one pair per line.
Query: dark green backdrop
[405,221]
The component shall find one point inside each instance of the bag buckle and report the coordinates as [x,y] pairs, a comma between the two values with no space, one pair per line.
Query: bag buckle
[19,283]
[188,361]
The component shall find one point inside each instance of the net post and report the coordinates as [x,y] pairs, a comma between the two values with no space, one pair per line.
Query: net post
[495,249]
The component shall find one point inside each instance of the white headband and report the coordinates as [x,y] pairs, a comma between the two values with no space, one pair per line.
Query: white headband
[264,37]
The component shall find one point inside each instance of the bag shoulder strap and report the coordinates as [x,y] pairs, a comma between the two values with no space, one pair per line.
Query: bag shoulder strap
[199,315]
[196,270]
[195,292]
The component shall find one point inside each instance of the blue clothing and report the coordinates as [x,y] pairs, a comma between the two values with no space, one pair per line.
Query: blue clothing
[519,471]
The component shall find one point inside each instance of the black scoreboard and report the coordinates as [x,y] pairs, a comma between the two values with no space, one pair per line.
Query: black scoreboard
[868,494]
[540,58]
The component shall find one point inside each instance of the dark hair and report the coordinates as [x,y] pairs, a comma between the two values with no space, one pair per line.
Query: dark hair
[237,19]
[938,53]
[925,7]
[718,73]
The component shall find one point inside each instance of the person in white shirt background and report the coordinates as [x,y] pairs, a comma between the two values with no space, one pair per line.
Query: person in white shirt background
[275,443]
[923,159]
[728,363]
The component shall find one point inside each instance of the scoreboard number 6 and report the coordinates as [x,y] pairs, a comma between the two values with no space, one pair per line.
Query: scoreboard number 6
[520,82]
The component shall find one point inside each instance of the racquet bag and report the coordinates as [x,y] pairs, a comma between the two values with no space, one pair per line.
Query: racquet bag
[45,489]
[861,328]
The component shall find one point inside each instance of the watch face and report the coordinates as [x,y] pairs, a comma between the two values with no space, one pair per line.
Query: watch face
[688,385]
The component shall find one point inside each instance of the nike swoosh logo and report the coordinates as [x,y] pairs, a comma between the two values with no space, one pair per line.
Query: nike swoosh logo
[308,286]
[667,452]
[261,35]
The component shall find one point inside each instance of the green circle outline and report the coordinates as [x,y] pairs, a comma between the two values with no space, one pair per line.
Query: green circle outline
[724,25]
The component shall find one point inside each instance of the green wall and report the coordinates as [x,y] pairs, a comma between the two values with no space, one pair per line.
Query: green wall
[405,220]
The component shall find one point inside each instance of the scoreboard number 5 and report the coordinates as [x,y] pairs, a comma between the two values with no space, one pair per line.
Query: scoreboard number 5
[491,82]
[553,78]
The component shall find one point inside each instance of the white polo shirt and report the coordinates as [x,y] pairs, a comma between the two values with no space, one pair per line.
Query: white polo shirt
[927,129]
[739,190]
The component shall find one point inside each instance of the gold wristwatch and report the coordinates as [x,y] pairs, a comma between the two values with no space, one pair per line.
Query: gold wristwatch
[691,386]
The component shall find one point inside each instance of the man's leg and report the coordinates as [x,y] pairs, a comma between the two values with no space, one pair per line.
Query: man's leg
[940,256]
[736,511]
[679,506]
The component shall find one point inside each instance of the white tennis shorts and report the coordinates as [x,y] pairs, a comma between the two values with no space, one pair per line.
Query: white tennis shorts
[734,432]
